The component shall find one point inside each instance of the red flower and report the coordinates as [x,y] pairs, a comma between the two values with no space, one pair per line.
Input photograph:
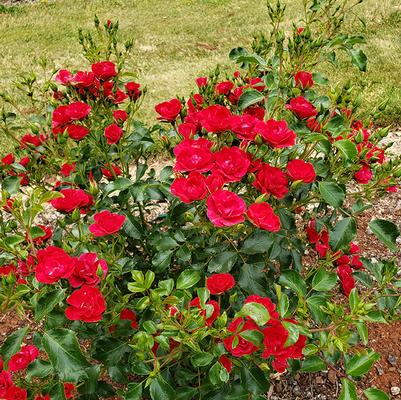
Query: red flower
[194,155]
[265,301]
[85,79]
[225,208]
[263,216]
[191,188]
[71,200]
[169,110]
[47,234]
[129,315]
[344,272]
[313,124]
[78,110]
[364,175]
[276,133]
[300,170]
[120,116]
[232,163]
[104,70]
[187,130]
[302,108]
[5,270]
[32,140]
[303,79]
[133,90]
[66,169]
[106,223]
[77,132]
[214,181]
[224,87]
[242,347]
[244,126]
[219,283]
[86,304]
[23,358]
[54,264]
[87,270]
[212,309]
[108,174]
[5,383]
[215,118]
[8,159]
[194,103]
[24,161]
[15,393]
[40,397]
[64,77]
[226,362]
[69,390]
[113,133]
[271,180]
[201,81]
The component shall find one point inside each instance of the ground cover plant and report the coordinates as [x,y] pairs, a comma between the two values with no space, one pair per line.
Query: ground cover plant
[233,263]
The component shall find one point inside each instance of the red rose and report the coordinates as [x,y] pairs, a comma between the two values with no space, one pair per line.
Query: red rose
[223,88]
[53,264]
[302,108]
[191,188]
[77,132]
[169,110]
[255,111]
[244,126]
[214,181]
[47,234]
[64,77]
[364,175]
[300,170]
[5,270]
[225,208]
[257,83]
[40,397]
[265,301]
[201,81]
[240,347]
[31,140]
[85,79]
[344,272]
[232,163]
[271,180]
[119,97]
[15,393]
[8,159]
[5,383]
[66,169]
[120,116]
[211,312]
[109,174]
[303,80]
[129,315]
[219,283]
[87,269]
[276,133]
[133,90]
[194,103]
[313,124]
[215,118]
[187,130]
[263,216]
[113,133]
[85,304]
[23,358]
[226,362]
[234,96]
[78,110]
[104,70]
[69,390]
[71,200]
[194,155]
[24,161]
[106,223]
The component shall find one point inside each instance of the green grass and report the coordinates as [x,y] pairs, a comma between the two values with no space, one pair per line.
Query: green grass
[177,40]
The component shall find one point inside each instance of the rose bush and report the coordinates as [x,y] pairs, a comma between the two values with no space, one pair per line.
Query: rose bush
[235,262]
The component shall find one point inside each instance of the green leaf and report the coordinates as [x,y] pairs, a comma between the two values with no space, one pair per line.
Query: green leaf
[201,359]
[253,336]
[132,227]
[293,333]
[324,280]
[249,97]
[46,302]
[223,262]
[188,278]
[348,391]
[161,390]
[253,278]
[294,281]
[354,300]
[119,183]
[13,343]
[11,184]
[134,392]
[254,380]
[39,369]
[215,374]
[359,59]
[343,233]
[347,148]
[363,332]
[283,305]
[258,243]
[386,232]
[319,79]
[110,351]
[359,365]
[161,261]
[332,193]
[61,345]
[255,311]
[375,394]
[313,364]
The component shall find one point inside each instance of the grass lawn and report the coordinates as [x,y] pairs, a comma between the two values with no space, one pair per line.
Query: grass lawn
[176,40]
